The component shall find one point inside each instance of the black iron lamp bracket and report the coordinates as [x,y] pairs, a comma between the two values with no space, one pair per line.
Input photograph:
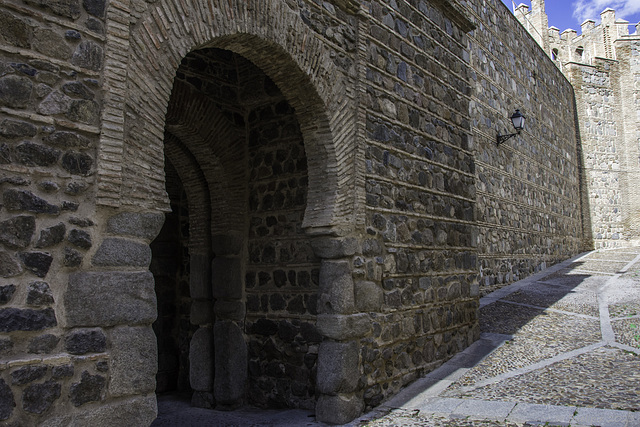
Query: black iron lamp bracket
[502,138]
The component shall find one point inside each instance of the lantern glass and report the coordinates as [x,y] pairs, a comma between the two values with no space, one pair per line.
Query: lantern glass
[518,120]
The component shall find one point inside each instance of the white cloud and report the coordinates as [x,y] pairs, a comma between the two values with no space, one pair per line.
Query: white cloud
[590,9]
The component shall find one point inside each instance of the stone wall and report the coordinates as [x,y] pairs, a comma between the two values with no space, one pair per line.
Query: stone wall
[529,206]
[343,190]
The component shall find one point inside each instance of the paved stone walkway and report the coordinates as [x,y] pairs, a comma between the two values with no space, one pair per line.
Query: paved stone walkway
[559,348]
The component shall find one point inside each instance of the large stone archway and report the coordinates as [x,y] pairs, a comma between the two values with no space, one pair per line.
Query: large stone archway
[137,136]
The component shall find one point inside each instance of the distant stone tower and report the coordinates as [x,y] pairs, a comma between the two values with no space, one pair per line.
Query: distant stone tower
[603,65]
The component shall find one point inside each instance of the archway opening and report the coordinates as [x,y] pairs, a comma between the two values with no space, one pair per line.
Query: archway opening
[170,268]
[234,143]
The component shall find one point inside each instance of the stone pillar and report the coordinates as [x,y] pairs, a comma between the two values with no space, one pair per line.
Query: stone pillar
[231,360]
[340,399]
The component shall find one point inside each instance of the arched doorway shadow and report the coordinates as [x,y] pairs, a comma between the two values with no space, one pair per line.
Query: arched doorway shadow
[234,145]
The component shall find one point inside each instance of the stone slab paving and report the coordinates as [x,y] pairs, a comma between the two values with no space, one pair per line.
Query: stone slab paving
[559,348]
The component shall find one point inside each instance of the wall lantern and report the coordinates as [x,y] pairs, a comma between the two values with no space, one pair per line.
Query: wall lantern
[518,122]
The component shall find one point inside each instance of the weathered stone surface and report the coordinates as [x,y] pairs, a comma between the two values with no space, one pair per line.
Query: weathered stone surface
[29,154]
[89,389]
[226,278]
[328,247]
[137,411]
[94,24]
[5,345]
[14,319]
[84,111]
[55,103]
[78,90]
[9,266]
[17,232]
[12,129]
[24,200]
[5,154]
[48,186]
[134,360]
[28,374]
[72,258]
[201,354]
[94,7]
[65,139]
[369,296]
[43,344]
[38,398]
[336,293]
[66,8]
[51,236]
[7,401]
[344,327]
[338,367]
[79,238]
[36,262]
[77,163]
[143,225]
[203,399]
[122,252]
[14,31]
[62,371]
[110,298]
[231,310]
[15,91]
[231,363]
[39,294]
[81,222]
[85,341]
[6,292]
[88,55]
[51,43]
[338,409]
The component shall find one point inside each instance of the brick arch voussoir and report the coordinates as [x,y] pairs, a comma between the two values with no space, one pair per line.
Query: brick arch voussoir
[197,191]
[288,52]
[218,147]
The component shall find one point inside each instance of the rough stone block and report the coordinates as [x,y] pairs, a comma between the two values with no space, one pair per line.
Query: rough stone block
[85,341]
[201,360]
[28,374]
[36,262]
[6,292]
[336,294]
[338,367]
[89,389]
[369,297]
[51,236]
[142,225]
[77,163]
[109,299]
[23,200]
[7,401]
[14,319]
[203,399]
[338,409]
[39,294]
[134,360]
[226,278]
[344,327]
[9,266]
[115,252]
[37,398]
[231,364]
[88,55]
[17,232]
[44,344]
[15,91]
[329,247]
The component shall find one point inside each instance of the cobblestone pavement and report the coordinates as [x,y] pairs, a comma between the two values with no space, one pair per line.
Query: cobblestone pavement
[559,348]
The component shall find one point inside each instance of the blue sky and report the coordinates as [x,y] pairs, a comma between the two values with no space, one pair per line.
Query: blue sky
[571,13]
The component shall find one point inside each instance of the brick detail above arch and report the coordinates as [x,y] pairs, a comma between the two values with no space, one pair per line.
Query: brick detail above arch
[144,49]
